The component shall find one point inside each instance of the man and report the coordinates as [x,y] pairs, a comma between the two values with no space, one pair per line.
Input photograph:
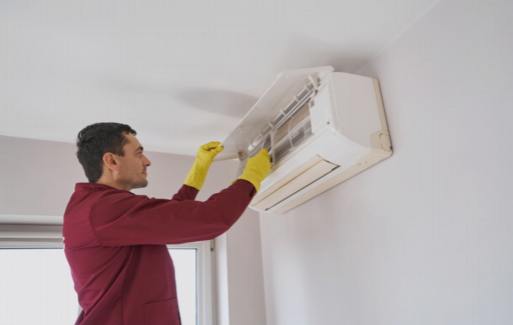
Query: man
[115,241]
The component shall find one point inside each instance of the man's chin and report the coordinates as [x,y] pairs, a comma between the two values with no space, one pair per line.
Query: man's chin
[141,184]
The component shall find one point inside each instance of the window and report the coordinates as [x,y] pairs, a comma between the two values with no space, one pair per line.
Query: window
[192,263]
[185,272]
[36,285]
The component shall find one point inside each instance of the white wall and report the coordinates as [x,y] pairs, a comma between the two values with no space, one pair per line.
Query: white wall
[246,283]
[239,259]
[425,237]
[37,178]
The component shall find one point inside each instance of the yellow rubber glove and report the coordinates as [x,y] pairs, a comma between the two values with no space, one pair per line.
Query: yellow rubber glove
[257,168]
[204,157]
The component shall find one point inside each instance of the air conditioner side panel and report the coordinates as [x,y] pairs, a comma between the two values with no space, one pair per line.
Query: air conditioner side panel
[358,108]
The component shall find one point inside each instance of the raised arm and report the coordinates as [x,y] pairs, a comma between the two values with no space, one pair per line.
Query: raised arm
[124,218]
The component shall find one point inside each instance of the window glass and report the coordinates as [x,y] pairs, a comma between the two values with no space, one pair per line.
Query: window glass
[184,261]
[36,288]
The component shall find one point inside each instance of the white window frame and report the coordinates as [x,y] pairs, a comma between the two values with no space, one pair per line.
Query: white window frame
[204,279]
[40,236]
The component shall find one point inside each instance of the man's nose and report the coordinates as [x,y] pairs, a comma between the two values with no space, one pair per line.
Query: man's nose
[147,162]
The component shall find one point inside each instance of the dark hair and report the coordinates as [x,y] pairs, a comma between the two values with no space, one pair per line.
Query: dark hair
[96,139]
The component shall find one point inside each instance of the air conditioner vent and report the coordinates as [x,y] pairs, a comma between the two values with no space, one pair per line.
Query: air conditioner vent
[296,181]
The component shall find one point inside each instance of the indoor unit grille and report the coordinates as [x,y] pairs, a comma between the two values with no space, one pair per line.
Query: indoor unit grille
[290,127]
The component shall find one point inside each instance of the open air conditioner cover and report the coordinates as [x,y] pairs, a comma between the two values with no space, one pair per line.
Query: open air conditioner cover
[320,127]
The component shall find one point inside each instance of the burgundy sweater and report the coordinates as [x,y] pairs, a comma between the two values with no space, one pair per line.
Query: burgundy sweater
[115,243]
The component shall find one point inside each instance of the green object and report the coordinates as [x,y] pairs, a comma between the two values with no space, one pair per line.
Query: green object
[204,157]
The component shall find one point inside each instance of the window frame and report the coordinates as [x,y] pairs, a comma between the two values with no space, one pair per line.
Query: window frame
[49,236]
[204,279]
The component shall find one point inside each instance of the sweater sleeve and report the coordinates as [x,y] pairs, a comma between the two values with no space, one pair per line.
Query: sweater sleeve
[122,218]
[185,192]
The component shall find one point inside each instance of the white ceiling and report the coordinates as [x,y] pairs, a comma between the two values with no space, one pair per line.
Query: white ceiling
[181,73]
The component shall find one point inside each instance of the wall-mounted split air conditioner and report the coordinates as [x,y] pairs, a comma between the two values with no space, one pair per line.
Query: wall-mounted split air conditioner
[320,127]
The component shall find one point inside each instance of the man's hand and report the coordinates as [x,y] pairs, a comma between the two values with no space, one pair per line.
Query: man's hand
[204,158]
[257,168]
[207,152]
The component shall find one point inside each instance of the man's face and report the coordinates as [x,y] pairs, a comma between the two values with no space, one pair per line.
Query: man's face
[132,167]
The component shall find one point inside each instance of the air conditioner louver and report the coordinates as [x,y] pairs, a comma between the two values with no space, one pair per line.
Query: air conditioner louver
[314,171]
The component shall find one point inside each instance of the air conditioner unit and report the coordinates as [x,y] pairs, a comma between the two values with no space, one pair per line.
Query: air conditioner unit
[321,127]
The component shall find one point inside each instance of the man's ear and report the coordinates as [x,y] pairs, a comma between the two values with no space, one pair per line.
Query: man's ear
[110,161]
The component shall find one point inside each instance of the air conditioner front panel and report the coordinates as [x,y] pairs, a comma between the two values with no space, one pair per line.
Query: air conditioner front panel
[275,99]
